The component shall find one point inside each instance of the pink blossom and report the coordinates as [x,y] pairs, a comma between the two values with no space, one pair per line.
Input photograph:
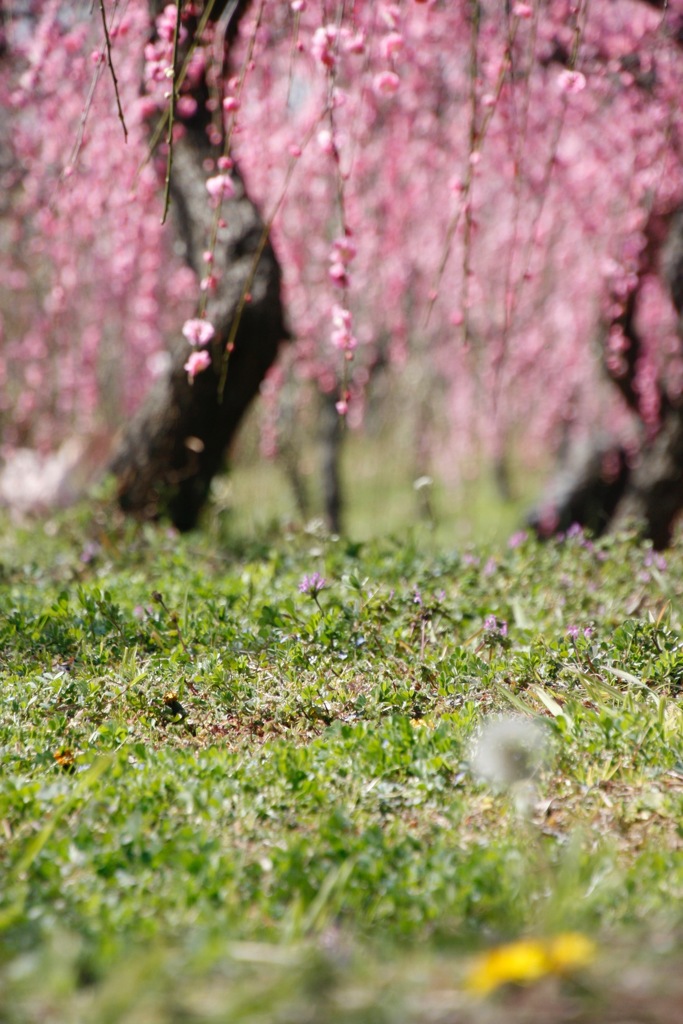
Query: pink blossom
[221,186]
[322,45]
[197,362]
[355,43]
[342,337]
[341,317]
[231,103]
[343,249]
[198,332]
[209,283]
[571,81]
[186,106]
[325,141]
[522,10]
[166,24]
[391,45]
[337,273]
[390,14]
[386,83]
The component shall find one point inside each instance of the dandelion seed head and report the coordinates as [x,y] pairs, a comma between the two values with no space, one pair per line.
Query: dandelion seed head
[509,751]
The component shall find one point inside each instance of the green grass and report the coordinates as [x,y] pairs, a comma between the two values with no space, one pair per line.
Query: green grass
[378,476]
[226,799]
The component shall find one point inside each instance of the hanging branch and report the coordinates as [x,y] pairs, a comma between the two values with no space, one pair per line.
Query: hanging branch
[107,42]
[171,117]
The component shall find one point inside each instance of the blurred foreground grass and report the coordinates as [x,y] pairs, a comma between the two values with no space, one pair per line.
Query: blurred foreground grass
[232,792]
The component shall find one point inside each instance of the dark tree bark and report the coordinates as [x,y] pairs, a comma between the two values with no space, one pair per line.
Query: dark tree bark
[178,441]
[654,495]
[331,436]
[587,490]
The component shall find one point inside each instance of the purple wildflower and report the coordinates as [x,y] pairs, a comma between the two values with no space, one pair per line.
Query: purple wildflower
[494,625]
[653,558]
[312,584]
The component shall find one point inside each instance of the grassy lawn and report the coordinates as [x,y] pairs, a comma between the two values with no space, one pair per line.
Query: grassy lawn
[446,785]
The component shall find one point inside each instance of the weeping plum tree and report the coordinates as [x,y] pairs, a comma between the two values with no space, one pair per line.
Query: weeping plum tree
[176,441]
[482,197]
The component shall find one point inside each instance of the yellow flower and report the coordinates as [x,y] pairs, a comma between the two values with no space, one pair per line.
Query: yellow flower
[570,951]
[522,961]
[65,758]
[528,960]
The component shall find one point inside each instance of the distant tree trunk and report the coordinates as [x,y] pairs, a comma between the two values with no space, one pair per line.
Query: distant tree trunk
[602,489]
[177,442]
[332,437]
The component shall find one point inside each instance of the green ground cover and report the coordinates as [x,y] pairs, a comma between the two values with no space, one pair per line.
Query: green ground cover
[225,797]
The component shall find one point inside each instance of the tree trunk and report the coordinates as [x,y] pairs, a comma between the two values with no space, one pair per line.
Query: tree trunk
[603,491]
[177,442]
[332,437]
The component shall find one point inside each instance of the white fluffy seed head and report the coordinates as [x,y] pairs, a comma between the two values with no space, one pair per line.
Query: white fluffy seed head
[509,751]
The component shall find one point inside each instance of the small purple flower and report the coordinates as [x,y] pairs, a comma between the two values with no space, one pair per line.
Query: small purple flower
[496,626]
[588,632]
[518,539]
[572,632]
[312,584]
[90,552]
[417,597]
[652,558]
[490,567]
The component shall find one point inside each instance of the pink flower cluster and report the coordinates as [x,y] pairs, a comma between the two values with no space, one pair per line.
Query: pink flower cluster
[341,255]
[198,332]
[159,53]
[329,41]
[342,336]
